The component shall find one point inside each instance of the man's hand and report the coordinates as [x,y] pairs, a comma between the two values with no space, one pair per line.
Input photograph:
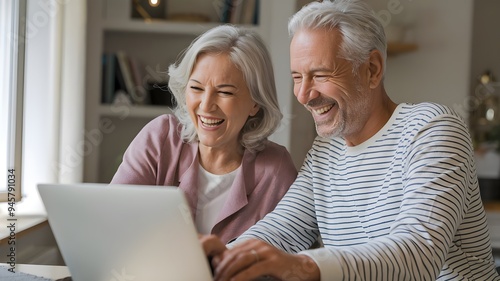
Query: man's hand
[254,258]
[212,245]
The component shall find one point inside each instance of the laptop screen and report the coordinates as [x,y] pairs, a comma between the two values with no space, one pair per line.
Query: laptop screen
[124,232]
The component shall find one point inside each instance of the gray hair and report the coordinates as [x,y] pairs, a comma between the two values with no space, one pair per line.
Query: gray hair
[250,55]
[362,32]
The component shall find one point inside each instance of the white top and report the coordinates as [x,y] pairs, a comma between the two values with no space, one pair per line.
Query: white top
[212,194]
[403,205]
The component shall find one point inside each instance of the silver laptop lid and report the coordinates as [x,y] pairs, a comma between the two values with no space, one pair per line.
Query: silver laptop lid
[124,232]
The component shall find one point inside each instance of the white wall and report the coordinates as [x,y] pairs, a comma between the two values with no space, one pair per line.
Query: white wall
[439,70]
[274,19]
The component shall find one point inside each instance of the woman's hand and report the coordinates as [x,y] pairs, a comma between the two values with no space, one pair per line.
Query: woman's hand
[212,245]
[251,259]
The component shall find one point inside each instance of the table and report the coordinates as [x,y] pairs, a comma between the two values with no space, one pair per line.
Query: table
[52,272]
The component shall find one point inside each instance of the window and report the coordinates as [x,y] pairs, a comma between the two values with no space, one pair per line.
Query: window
[11,98]
[43,42]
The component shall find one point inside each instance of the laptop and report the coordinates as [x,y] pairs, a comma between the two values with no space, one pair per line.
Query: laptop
[109,232]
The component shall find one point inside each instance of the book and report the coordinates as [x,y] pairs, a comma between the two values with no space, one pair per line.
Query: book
[248,12]
[123,64]
[256,12]
[226,11]
[108,78]
[103,77]
[137,70]
[236,9]
[119,79]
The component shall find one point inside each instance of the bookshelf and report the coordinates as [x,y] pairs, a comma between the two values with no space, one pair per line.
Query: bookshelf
[156,44]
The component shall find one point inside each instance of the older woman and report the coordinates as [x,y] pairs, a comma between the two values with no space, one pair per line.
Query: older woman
[215,148]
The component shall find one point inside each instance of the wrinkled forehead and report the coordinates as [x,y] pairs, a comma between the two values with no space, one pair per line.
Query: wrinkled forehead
[315,48]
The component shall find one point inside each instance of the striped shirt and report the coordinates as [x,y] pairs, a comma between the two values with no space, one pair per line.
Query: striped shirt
[403,205]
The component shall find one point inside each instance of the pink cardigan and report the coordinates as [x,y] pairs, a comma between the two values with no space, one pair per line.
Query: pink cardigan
[158,156]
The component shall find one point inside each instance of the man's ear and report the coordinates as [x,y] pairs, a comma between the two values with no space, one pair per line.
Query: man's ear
[375,68]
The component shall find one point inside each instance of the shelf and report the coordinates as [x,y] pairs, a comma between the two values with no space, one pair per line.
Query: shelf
[156,44]
[492,206]
[395,48]
[165,27]
[140,111]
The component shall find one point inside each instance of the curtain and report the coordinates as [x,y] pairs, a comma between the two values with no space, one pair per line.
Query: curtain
[54,97]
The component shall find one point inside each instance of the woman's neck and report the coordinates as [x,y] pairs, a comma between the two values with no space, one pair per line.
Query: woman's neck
[220,161]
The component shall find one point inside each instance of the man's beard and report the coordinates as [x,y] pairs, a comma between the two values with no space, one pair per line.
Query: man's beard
[347,121]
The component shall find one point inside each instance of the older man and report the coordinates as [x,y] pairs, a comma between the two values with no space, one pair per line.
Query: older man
[390,188]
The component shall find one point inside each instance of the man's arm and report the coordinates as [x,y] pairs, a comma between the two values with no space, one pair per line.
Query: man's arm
[292,225]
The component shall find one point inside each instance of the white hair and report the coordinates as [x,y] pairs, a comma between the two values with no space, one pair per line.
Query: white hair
[250,55]
[362,32]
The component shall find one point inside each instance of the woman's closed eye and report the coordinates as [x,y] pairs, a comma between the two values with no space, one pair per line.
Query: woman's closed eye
[225,93]
[196,88]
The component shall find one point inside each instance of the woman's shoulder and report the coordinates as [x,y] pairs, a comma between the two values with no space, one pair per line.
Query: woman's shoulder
[274,149]
[274,162]
[274,155]
[162,125]
[164,120]
[161,128]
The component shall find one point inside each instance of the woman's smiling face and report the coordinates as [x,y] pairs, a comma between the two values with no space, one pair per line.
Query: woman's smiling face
[218,101]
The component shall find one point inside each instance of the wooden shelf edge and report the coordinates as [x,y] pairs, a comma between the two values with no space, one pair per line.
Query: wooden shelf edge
[395,48]
[492,206]
[123,111]
[162,26]
[171,27]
